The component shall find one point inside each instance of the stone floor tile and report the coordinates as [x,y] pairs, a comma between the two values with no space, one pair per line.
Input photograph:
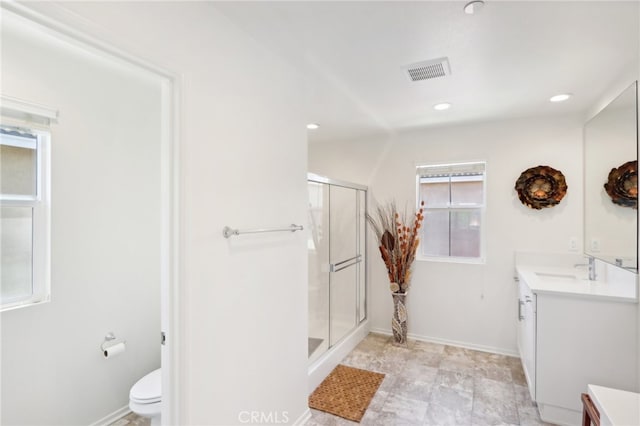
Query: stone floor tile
[373,343]
[419,370]
[391,360]
[529,416]
[358,359]
[492,389]
[514,361]
[395,419]
[457,352]
[388,383]
[449,407]
[523,397]
[490,358]
[438,415]
[378,400]
[396,352]
[322,418]
[371,418]
[431,359]
[517,375]
[494,402]
[455,380]
[457,365]
[436,348]
[452,398]
[485,421]
[132,419]
[500,373]
[412,389]
[401,410]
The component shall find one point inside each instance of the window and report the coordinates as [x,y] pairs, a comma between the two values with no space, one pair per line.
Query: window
[24,217]
[454,204]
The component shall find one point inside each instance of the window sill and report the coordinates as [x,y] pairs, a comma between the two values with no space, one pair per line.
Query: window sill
[24,304]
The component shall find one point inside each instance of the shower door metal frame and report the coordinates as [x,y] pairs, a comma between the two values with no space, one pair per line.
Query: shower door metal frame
[311,177]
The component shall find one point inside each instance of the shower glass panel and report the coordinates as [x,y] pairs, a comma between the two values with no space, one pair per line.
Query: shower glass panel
[362,243]
[344,261]
[337,271]
[318,249]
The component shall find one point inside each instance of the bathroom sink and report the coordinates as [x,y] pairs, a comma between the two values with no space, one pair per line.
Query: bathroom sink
[556,276]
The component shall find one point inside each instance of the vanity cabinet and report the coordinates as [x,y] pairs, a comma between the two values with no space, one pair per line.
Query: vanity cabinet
[568,341]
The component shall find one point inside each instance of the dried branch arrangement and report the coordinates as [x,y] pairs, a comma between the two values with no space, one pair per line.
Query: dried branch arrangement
[398,238]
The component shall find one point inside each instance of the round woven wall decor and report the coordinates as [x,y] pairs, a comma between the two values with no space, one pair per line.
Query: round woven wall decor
[541,187]
[622,185]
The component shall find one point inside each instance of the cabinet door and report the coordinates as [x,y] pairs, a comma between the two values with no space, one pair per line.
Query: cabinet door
[584,341]
[527,334]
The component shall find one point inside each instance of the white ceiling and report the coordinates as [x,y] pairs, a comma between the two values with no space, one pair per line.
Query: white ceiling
[505,61]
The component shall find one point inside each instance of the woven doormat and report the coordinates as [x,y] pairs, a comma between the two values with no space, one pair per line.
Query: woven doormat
[346,392]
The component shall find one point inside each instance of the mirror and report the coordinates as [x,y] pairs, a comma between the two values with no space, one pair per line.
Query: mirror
[610,218]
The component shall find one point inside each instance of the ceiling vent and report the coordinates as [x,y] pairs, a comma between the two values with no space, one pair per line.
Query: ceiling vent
[427,70]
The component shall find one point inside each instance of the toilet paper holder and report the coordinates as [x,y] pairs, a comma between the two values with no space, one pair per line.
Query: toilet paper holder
[109,340]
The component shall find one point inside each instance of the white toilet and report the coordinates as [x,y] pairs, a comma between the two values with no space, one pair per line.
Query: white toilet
[145,397]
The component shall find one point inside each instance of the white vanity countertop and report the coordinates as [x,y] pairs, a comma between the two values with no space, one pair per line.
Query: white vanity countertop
[616,407]
[572,281]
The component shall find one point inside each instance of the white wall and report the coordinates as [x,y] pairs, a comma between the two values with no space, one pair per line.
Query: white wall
[243,165]
[356,161]
[105,245]
[474,305]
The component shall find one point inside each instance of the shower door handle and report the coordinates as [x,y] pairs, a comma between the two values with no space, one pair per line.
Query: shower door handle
[339,266]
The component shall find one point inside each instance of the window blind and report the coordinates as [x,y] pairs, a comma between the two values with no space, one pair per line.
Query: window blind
[446,170]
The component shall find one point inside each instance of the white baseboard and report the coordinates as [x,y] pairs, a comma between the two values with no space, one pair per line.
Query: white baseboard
[304,418]
[465,345]
[110,418]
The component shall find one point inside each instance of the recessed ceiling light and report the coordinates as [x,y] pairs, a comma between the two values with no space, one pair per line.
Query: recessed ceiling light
[473,7]
[442,106]
[561,97]
[313,126]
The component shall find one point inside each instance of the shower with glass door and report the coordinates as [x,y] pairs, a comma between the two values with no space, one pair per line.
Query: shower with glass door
[337,262]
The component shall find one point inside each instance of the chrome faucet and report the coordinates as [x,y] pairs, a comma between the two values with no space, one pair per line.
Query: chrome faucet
[591,267]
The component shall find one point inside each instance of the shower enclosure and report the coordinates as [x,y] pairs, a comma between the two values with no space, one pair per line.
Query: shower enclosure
[337,262]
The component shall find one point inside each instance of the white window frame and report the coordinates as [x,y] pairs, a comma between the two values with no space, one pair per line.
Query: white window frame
[452,208]
[41,231]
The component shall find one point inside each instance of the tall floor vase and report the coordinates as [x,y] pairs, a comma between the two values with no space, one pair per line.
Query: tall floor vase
[399,320]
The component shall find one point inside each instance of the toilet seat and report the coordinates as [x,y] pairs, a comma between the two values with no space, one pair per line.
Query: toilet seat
[147,390]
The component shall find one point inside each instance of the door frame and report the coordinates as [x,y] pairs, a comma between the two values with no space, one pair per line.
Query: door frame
[172,357]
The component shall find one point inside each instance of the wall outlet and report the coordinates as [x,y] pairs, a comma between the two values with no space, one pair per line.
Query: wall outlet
[573,244]
[595,245]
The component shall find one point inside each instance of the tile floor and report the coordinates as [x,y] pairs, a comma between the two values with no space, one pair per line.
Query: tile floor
[431,384]
[132,419]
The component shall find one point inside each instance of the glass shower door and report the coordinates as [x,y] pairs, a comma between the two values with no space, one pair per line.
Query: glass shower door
[362,243]
[337,272]
[318,249]
[344,261]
